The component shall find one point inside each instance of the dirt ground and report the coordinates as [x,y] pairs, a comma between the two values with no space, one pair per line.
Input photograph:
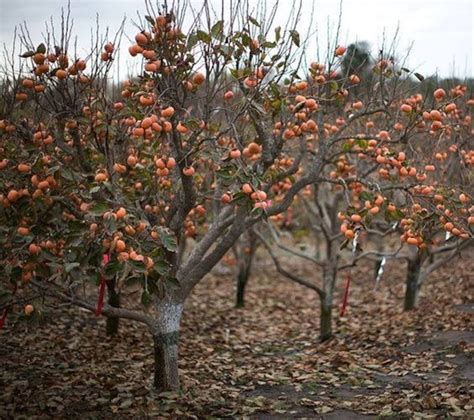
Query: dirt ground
[263,361]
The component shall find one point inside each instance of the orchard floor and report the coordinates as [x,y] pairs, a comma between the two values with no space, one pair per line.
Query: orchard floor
[263,361]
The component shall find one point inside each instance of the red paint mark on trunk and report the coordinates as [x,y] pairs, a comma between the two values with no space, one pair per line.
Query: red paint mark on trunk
[100,300]
[346,297]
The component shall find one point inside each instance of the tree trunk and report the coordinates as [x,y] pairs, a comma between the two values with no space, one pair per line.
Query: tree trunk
[325,329]
[165,342]
[113,300]
[412,283]
[245,258]
[242,278]
[329,282]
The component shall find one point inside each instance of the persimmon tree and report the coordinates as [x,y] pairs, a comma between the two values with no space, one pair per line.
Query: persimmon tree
[449,162]
[382,178]
[442,212]
[220,131]
[99,194]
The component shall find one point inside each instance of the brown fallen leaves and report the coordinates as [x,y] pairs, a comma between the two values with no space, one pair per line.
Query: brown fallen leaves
[263,359]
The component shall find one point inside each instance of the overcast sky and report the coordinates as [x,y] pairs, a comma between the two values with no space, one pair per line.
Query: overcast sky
[441,30]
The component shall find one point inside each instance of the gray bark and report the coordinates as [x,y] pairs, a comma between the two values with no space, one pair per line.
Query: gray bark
[244,268]
[165,341]
[412,282]
[329,283]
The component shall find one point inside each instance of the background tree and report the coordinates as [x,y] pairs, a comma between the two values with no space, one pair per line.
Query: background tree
[383,182]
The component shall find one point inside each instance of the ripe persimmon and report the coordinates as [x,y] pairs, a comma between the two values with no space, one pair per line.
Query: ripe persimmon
[439,94]
[24,168]
[23,231]
[101,177]
[226,198]
[39,58]
[27,83]
[199,78]
[406,108]
[189,171]
[349,234]
[235,154]
[356,218]
[121,213]
[141,38]
[61,74]
[109,47]
[13,195]
[34,249]
[29,310]
[340,50]
[167,112]
[120,246]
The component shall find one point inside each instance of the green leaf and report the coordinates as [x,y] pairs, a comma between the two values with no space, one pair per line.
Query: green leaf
[150,20]
[112,268]
[254,21]
[192,41]
[41,48]
[203,36]
[245,39]
[146,298]
[217,28]
[365,195]
[234,73]
[193,124]
[68,175]
[393,215]
[226,174]
[161,267]
[98,209]
[27,54]
[419,76]
[295,37]
[277,33]
[167,239]
[275,90]
[346,147]
[275,58]
[276,105]
[268,44]
[239,196]
[137,266]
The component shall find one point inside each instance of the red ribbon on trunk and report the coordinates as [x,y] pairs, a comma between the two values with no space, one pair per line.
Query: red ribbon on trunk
[100,300]
[346,297]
